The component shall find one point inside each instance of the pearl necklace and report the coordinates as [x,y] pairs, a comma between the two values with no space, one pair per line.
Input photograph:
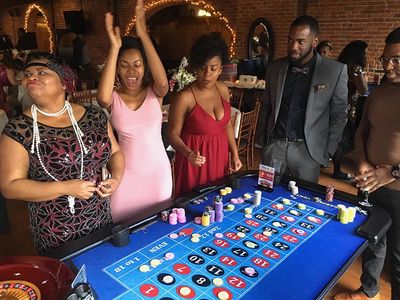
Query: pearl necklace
[36,141]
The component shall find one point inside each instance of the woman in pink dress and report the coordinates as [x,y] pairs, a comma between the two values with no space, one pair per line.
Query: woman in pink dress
[136,116]
[199,127]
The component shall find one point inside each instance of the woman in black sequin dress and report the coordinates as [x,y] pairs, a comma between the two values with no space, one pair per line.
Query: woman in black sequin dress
[60,175]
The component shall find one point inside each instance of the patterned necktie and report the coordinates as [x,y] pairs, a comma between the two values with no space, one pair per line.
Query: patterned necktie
[304,71]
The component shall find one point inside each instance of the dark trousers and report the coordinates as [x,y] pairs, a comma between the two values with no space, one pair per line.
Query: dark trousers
[294,158]
[374,255]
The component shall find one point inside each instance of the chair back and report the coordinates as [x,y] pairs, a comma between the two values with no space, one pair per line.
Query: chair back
[247,127]
[85,98]
[245,140]
[236,97]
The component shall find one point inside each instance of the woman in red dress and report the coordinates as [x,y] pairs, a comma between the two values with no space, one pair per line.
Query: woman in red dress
[199,127]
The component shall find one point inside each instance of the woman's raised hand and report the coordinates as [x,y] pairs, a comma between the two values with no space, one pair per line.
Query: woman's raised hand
[141,29]
[114,33]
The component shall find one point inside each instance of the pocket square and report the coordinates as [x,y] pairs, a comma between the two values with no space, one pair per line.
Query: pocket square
[320,88]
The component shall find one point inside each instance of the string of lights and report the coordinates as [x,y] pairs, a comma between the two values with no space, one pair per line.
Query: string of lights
[41,10]
[208,7]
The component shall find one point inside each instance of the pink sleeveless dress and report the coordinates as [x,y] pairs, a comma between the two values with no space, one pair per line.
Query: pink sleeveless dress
[203,133]
[147,179]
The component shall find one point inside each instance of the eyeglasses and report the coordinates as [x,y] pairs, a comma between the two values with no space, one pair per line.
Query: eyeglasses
[394,60]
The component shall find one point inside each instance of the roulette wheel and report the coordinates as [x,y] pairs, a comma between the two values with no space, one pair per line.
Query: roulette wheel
[33,278]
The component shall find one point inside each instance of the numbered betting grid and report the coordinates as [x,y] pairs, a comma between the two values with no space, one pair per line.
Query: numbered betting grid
[249,249]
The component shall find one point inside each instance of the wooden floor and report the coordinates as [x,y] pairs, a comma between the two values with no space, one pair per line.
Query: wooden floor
[17,241]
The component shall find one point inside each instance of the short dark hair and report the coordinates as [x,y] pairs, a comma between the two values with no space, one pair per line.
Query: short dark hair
[206,47]
[307,20]
[393,37]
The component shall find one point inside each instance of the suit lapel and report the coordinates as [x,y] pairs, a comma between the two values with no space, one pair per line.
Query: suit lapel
[279,87]
[314,81]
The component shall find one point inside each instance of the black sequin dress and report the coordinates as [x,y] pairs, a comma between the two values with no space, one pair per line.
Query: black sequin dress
[51,222]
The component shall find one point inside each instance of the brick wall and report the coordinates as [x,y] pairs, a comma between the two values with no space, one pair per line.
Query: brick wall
[341,21]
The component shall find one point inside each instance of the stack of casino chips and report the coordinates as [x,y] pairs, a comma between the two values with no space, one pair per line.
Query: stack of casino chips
[293,188]
[225,191]
[330,190]
[181,215]
[173,218]
[346,214]
[205,219]
[257,198]
[176,215]
[219,209]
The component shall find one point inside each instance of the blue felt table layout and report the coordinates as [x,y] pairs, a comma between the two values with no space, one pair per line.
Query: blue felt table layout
[114,272]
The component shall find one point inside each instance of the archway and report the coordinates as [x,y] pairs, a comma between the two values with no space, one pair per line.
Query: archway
[158,4]
[43,22]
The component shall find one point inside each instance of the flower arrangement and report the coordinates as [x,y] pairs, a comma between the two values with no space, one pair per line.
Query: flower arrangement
[180,77]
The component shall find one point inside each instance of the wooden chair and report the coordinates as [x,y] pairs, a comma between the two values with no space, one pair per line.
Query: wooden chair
[257,108]
[236,97]
[86,98]
[245,139]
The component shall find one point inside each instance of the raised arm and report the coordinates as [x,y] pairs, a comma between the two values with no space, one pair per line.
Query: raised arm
[157,70]
[107,78]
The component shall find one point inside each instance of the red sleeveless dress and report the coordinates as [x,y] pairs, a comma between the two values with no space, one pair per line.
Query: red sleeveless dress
[201,132]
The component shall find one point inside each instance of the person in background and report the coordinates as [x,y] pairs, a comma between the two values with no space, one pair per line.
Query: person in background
[5,41]
[136,116]
[354,55]
[21,44]
[303,111]
[324,48]
[52,156]
[66,49]
[7,78]
[199,120]
[377,157]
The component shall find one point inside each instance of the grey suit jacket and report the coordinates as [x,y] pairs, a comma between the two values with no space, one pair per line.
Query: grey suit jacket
[326,112]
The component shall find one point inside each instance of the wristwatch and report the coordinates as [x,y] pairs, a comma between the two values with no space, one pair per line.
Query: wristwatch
[396,171]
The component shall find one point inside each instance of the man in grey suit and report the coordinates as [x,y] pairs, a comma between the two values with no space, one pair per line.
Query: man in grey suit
[304,107]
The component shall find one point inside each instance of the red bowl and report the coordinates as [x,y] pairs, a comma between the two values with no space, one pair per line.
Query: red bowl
[34,277]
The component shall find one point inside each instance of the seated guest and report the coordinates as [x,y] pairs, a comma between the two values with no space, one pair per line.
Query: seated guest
[136,116]
[377,157]
[54,162]
[199,127]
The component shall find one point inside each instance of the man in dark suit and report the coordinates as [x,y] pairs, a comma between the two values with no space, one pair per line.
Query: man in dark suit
[5,41]
[304,107]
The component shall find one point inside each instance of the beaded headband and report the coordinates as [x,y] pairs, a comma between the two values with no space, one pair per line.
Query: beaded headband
[65,73]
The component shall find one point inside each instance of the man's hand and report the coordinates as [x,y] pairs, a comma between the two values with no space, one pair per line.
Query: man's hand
[373,179]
